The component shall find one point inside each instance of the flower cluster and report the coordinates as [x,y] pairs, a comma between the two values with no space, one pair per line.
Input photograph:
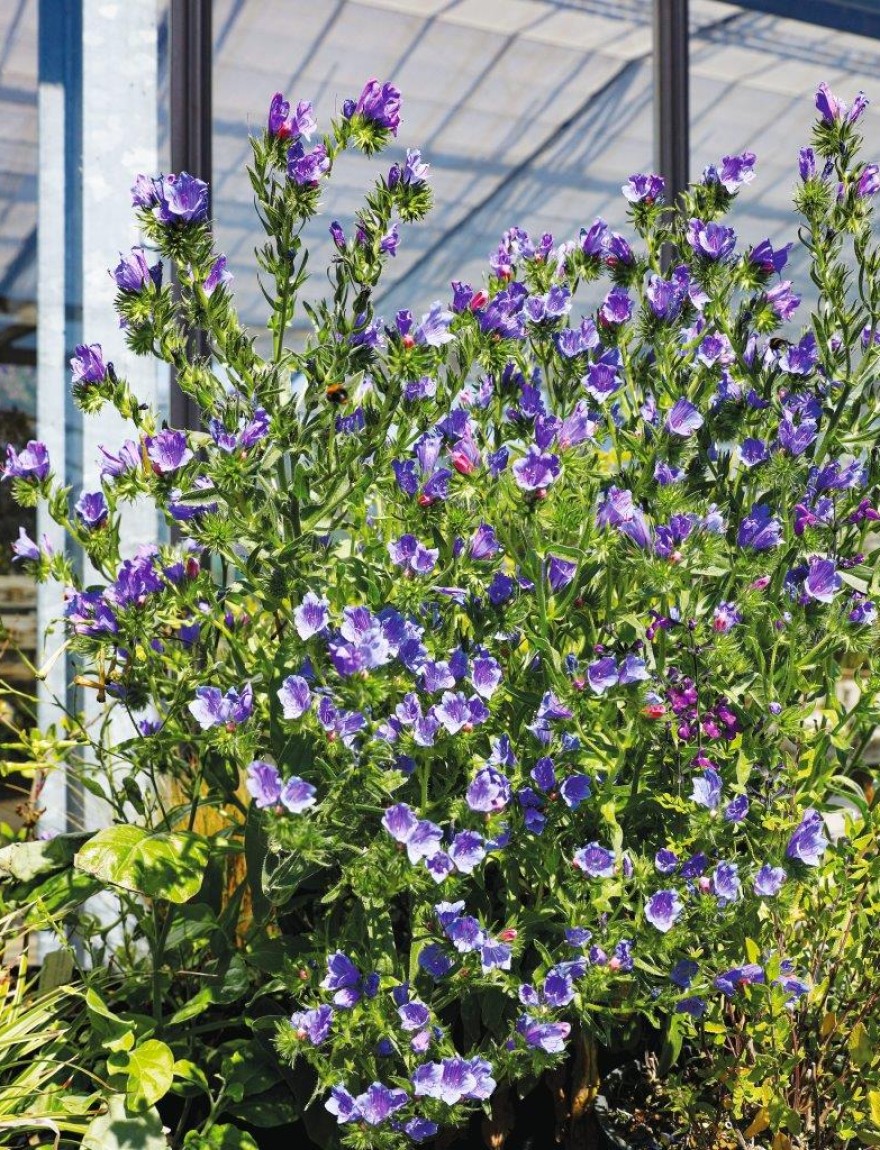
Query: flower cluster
[512,617]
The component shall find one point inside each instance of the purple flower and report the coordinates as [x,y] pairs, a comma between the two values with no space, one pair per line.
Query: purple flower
[302,122]
[683,973]
[485,675]
[731,980]
[32,462]
[808,843]
[617,307]
[307,168]
[768,881]
[311,616]
[710,240]
[707,789]
[595,861]
[344,978]
[263,783]
[800,358]
[180,199]
[536,471]
[420,837]
[132,274]
[168,451]
[644,188]
[211,708]
[666,861]
[484,543]
[783,300]
[218,275]
[733,172]
[547,1036]
[434,962]
[602,674]
[313,1024]
[833,110]
[433,330]
[684,419]
[24,548]
[694,1006]
[560,572]
[602,379]
[575,790]
[663,909]
[768,258]
[467,851]
[380,105]
[379,1102]
[92,509]
[869,180]
[725,883]
[454,1079]
[420,1129]
[594,241]
[342,1105]
[414,172]
[737,809]
[760,530]
[753,451]
[128,459]
[413,1015]
[297,795]
[407,552]
[807,163]
[822,582]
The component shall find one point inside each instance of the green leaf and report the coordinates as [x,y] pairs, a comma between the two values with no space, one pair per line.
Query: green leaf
[167,865]
[119,1130]
[860,1045]
[26,861]
[150,1074]
[222,1137]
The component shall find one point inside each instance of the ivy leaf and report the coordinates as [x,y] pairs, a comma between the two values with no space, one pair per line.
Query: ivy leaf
[221,1137]
[119,1130]
[150,1074]
[26,861]
[167,865]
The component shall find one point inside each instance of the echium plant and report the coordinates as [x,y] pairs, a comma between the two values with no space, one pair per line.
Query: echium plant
[523,626]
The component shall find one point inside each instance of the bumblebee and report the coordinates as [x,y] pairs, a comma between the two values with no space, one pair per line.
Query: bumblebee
[337,393]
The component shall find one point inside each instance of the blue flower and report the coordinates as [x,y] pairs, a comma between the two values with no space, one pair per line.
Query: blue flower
[808,843]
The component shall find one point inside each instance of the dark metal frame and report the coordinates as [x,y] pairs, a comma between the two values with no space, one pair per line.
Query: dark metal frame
[191,59]
[672,94]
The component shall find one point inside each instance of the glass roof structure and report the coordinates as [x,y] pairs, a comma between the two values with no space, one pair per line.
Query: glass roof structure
[531,113]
